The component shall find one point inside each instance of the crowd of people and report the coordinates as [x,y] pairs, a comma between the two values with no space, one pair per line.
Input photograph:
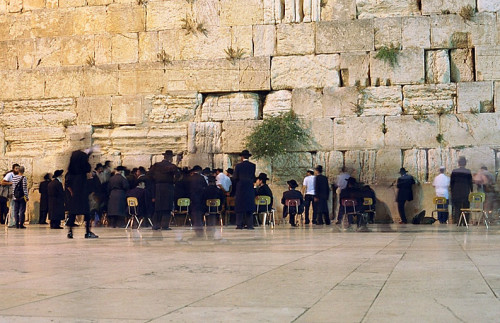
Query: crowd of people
[102,193]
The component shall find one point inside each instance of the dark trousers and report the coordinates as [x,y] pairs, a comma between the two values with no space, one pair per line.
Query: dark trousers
[308,201]
[401,210]
[55,223]
[19,211]
[72,218]
[159,217]
[244,218]
[42,218]
[350,216]
[456,206]
[443,216]
[4,210]
[320,208]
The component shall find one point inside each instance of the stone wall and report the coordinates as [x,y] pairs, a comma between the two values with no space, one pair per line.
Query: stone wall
[137,77]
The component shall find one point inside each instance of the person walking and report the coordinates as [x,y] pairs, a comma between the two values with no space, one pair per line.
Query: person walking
[441,184]
[55,192]
[44,199]
[321,195]
[461,186]
[405,193]
[244,176]
[308,192]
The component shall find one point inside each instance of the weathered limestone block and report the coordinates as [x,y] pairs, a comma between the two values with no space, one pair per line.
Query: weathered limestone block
[127,110]
[358,133]
[451,31]
[125,48]
[49,164]
[15,6]
[277,102]
[90,20]
[100,81]
[151,141]
[290,165]
[241,37]
[386,8]
[409,70]
[15,83]
[429,98]
[321,130]
[102,52]
[264,40]
[497,97]
[332,162]
[487,67]
[234,134]
[241,12]
[340,101]
[32,4]
[461,65]
[415,162]
[132,161]
[204,137]
[416,32]
[305,71]
[383,100]
[440,6]
[173,107]
[344,36]
[102,138]
[17,26]
[354,69]
[17,54]
[405,132]
[255,74]
[437,66]
[488,5]
[76,50]
[339,10]
[78,137]
[93,2]
[475,156]
[387,164]
[475,97]
[207,11]
[295,39]
[470,130]
[163,15]
[8,61]
[94,110]
[307,103]
[64,83]
[124,19]
[71,3]
[362,164]
[149,48]
[34,141]
[236,106]
[37,113]
[46,23]
[140,81]
[388,31]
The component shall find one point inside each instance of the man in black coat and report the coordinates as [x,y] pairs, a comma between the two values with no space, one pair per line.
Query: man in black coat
[321,195]
[351,192]
[164,174]
[44,199]
[405,192]
[55,193]
[263,190]
[292,194]
[244,176]
[461,186]
[196,185]
[212,192]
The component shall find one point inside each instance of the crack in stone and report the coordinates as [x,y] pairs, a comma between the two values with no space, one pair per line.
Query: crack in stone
[449,310]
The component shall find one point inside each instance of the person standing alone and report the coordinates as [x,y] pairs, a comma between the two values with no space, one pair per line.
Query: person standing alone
[20,185]
[461,186]
[308,192]
[442,183]
[321,195]
[405,192]
[244,176]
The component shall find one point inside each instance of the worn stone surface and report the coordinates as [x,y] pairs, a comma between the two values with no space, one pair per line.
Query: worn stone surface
[344,36]
[415,162]
[241,37]
[383,100]
[362,164]
[125,48]
[321,130]
[388,31]
[475,97]
[354,69]
[127,110]
[386,8]
[437,66]
[358,133]
[234,134]
[173,107]
[254,74]
[339,10]
[410,68]
[416,32]
[117,14]
[429,98]
[497,97]
[277,102]
[241,12]
[461,65]
[38,113]
[264,40]
[488,5]
[387,160]
[440,6]
[307,103]
[305,71]
[162,15]
[405,132]
[94,110]
[487,67]
[340,101]
[295,39]
[239,106]
[204,137]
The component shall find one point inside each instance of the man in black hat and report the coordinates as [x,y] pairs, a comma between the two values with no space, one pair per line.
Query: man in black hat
[55,192]
[263,189]
[321,195]
[164,174]
[405,193]
[196,185]
[212,192]
[44,199]
[292,194]
[244,176]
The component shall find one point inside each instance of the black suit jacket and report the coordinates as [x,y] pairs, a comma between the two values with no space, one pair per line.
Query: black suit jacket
[244,177]
[321,187]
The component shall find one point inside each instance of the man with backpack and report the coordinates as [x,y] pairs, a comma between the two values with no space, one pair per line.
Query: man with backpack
[7,190]
[20,185]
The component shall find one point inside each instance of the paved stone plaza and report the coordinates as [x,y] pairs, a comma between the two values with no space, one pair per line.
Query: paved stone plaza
[395,273]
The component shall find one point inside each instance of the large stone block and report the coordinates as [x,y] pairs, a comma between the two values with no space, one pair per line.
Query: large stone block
[290,165]
[71,3]
[295,39]
[461,65]
[127,110]
[410,68]
[463,130]
[338,10]
[64,83]
[207,11]
[354,68]
[38,113]
[94,110]
[415,162]
[307,103]
[140,81]
[488,5]
[475,97]
[204,137]
[34,141]
[387,164]
[163,15]
[383,100]
[125,19]
[264,40]
[405,132]
[305,71]
[437,66]
[429,98]
[241,12]
[386,8]
[416,32]
[241,37]
[255,74]
[237,106]
[173,107]
[100,81]
[277,102]
[344,36]
[131,161]
[89,20]
[332,162]
[102,52]
[78,137]
[361,164]
[15,83]
[149,47]
[234,134]
[487,67]
[497,97]
[440,6]
[125,48]
[321,130]
[388,31]
[76,50]
[352,133]
[28,5]
[340,101]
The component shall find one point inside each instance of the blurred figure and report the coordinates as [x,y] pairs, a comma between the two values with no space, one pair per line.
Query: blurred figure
[223,181]
[197,185]
[7,181]
[308,192]
[351,192]
[442,183]
[292,194]
[56,200]
[340,184]
[117,203]
[485,182]
[212,192]
[322,193]
[370,193]
[405,192]
[461,186]
[44,199]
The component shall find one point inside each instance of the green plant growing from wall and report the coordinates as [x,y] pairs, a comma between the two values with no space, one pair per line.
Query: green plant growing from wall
[278,135]
[420,115]
[90,61]
[164,58]
[190,1]
[192,26]
[143,3]
[323,3]
[443,111]
[474,111]
[440,138]
[358,109]
[234,54]
[467,12]
[389,54]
